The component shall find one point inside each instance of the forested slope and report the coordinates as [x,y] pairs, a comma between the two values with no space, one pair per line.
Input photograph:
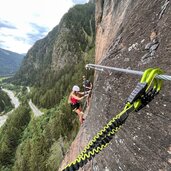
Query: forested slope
[51,67]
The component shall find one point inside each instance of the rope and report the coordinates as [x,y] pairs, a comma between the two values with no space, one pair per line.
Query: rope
[143,93]
[101,68]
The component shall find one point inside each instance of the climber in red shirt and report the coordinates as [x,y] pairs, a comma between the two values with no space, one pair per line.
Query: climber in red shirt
[74,99]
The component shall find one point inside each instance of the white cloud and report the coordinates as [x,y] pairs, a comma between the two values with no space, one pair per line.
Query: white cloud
[18,18]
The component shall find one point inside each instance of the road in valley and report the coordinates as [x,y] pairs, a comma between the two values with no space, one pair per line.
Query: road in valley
[35,110]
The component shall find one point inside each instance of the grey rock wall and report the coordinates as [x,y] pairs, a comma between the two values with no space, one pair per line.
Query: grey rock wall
[132,34]
[140,38]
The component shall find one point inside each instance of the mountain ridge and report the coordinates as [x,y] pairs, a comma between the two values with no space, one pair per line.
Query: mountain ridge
[9,62]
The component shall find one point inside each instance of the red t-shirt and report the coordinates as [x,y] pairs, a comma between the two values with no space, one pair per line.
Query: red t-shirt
[73,100]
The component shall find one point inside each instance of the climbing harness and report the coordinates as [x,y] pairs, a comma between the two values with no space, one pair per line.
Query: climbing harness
[148,87]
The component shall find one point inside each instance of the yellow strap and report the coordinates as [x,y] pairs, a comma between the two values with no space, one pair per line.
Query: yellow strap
[88,152]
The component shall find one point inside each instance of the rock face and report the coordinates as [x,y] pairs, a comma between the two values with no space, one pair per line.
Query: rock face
[136,35]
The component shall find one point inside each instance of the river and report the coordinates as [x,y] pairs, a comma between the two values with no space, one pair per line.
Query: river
[14,101]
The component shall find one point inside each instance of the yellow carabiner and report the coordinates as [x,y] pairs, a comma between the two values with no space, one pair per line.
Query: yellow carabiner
[149,77]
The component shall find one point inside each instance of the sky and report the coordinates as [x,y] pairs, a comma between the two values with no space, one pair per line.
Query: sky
[23,22]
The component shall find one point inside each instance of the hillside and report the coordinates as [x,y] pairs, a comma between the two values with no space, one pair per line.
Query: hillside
[50,68]
[9,62]
[135,35]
